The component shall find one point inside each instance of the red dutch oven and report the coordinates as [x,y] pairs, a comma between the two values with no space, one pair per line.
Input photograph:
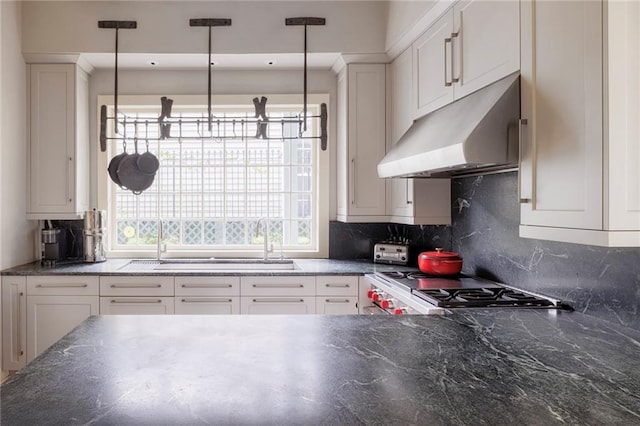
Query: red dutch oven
[440,262]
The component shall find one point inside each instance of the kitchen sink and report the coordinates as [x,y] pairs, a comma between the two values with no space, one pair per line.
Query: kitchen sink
[230,265]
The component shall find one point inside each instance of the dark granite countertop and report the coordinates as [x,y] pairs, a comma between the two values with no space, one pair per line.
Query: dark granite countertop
[122,267]
[473,367]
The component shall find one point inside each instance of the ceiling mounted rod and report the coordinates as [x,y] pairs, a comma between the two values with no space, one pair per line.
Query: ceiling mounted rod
[117,25]
[209,22]
[305,21]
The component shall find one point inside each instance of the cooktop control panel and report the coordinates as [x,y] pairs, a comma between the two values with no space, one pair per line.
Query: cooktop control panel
[392,254]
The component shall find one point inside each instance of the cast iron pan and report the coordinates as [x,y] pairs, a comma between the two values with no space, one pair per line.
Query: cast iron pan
[113,167]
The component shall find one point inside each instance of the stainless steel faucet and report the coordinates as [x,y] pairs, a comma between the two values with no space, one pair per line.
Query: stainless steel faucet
[161,248]
[265,229]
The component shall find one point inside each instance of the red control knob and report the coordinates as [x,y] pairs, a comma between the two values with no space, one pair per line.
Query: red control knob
[385,304]
[376,297]
[370,293]
[399,311]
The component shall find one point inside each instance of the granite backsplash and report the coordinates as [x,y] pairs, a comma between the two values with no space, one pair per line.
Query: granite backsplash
[599,281]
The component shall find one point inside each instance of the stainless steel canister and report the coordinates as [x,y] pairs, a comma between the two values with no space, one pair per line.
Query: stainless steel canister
[95,225]
[95,220]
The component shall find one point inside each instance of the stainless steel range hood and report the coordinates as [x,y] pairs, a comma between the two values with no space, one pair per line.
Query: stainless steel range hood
[477,133]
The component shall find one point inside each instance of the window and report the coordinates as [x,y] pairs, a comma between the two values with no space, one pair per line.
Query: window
[210,192]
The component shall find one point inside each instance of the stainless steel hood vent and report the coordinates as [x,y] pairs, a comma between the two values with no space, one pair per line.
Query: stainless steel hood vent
[477,133]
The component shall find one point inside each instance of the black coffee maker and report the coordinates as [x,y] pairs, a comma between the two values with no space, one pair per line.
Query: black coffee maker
[54,247]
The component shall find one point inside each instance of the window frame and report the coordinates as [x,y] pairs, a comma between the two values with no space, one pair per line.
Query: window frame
[320,222]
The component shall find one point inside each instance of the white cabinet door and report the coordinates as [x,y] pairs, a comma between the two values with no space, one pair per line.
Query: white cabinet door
[433,86]
[58,166]
[278,305]
[207,305]
[361,143]
[136,305]
[474,44]
[14,322]
[51,317]
[337,305]
[486,43]
[562,101]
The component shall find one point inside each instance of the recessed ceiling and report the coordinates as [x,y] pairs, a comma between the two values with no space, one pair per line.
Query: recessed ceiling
[165,61]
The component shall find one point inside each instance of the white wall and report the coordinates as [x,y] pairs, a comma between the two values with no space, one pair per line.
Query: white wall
[17,235]
[403,15]
[163,26]
[253,83]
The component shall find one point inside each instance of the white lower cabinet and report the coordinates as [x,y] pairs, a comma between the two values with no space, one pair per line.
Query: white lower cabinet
[139,295]
[14,322]
[39,310]
[207,295]
[337,295]
[278,295]
[49,318]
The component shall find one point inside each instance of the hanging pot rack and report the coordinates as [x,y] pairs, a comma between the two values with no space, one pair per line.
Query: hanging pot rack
[261,121]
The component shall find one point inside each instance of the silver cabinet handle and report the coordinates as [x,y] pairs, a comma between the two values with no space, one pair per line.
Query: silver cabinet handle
[62,285]
[406,189]
[69,179]
[207,285]
[339,285]
[136,285]
[337,300]
[453,56]
[283,285]
[521,123]
[122,301]
[206,300]
[447,83]
[19,323]
[272,300]
[353,180]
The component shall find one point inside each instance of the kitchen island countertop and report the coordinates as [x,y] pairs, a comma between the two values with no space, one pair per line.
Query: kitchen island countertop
[500,366]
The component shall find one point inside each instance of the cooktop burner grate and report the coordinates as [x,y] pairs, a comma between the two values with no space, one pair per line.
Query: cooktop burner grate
[480,298]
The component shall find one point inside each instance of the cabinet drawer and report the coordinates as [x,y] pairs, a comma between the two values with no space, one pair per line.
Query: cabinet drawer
[277,305]
[337,285]
[63,285]
[332,305]
[277,286]
[207,286]
[207,305]
[136,286]
[116,305]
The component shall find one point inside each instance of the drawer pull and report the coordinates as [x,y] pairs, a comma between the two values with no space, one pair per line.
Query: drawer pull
[62,285]
[207,285]
[337,300]
[271,300]
[337,285]
[19,327]
[209,300]
[117,301]
[278,285]
[136,285]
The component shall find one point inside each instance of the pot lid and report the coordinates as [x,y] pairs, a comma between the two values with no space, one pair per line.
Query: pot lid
[441,254]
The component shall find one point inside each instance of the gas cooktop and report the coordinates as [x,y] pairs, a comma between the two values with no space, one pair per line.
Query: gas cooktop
[462,291]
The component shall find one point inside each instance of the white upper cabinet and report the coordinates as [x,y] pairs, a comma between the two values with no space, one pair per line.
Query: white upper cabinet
[579,178]
[411,201]
[361,130]
[474,44]
[58,165]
